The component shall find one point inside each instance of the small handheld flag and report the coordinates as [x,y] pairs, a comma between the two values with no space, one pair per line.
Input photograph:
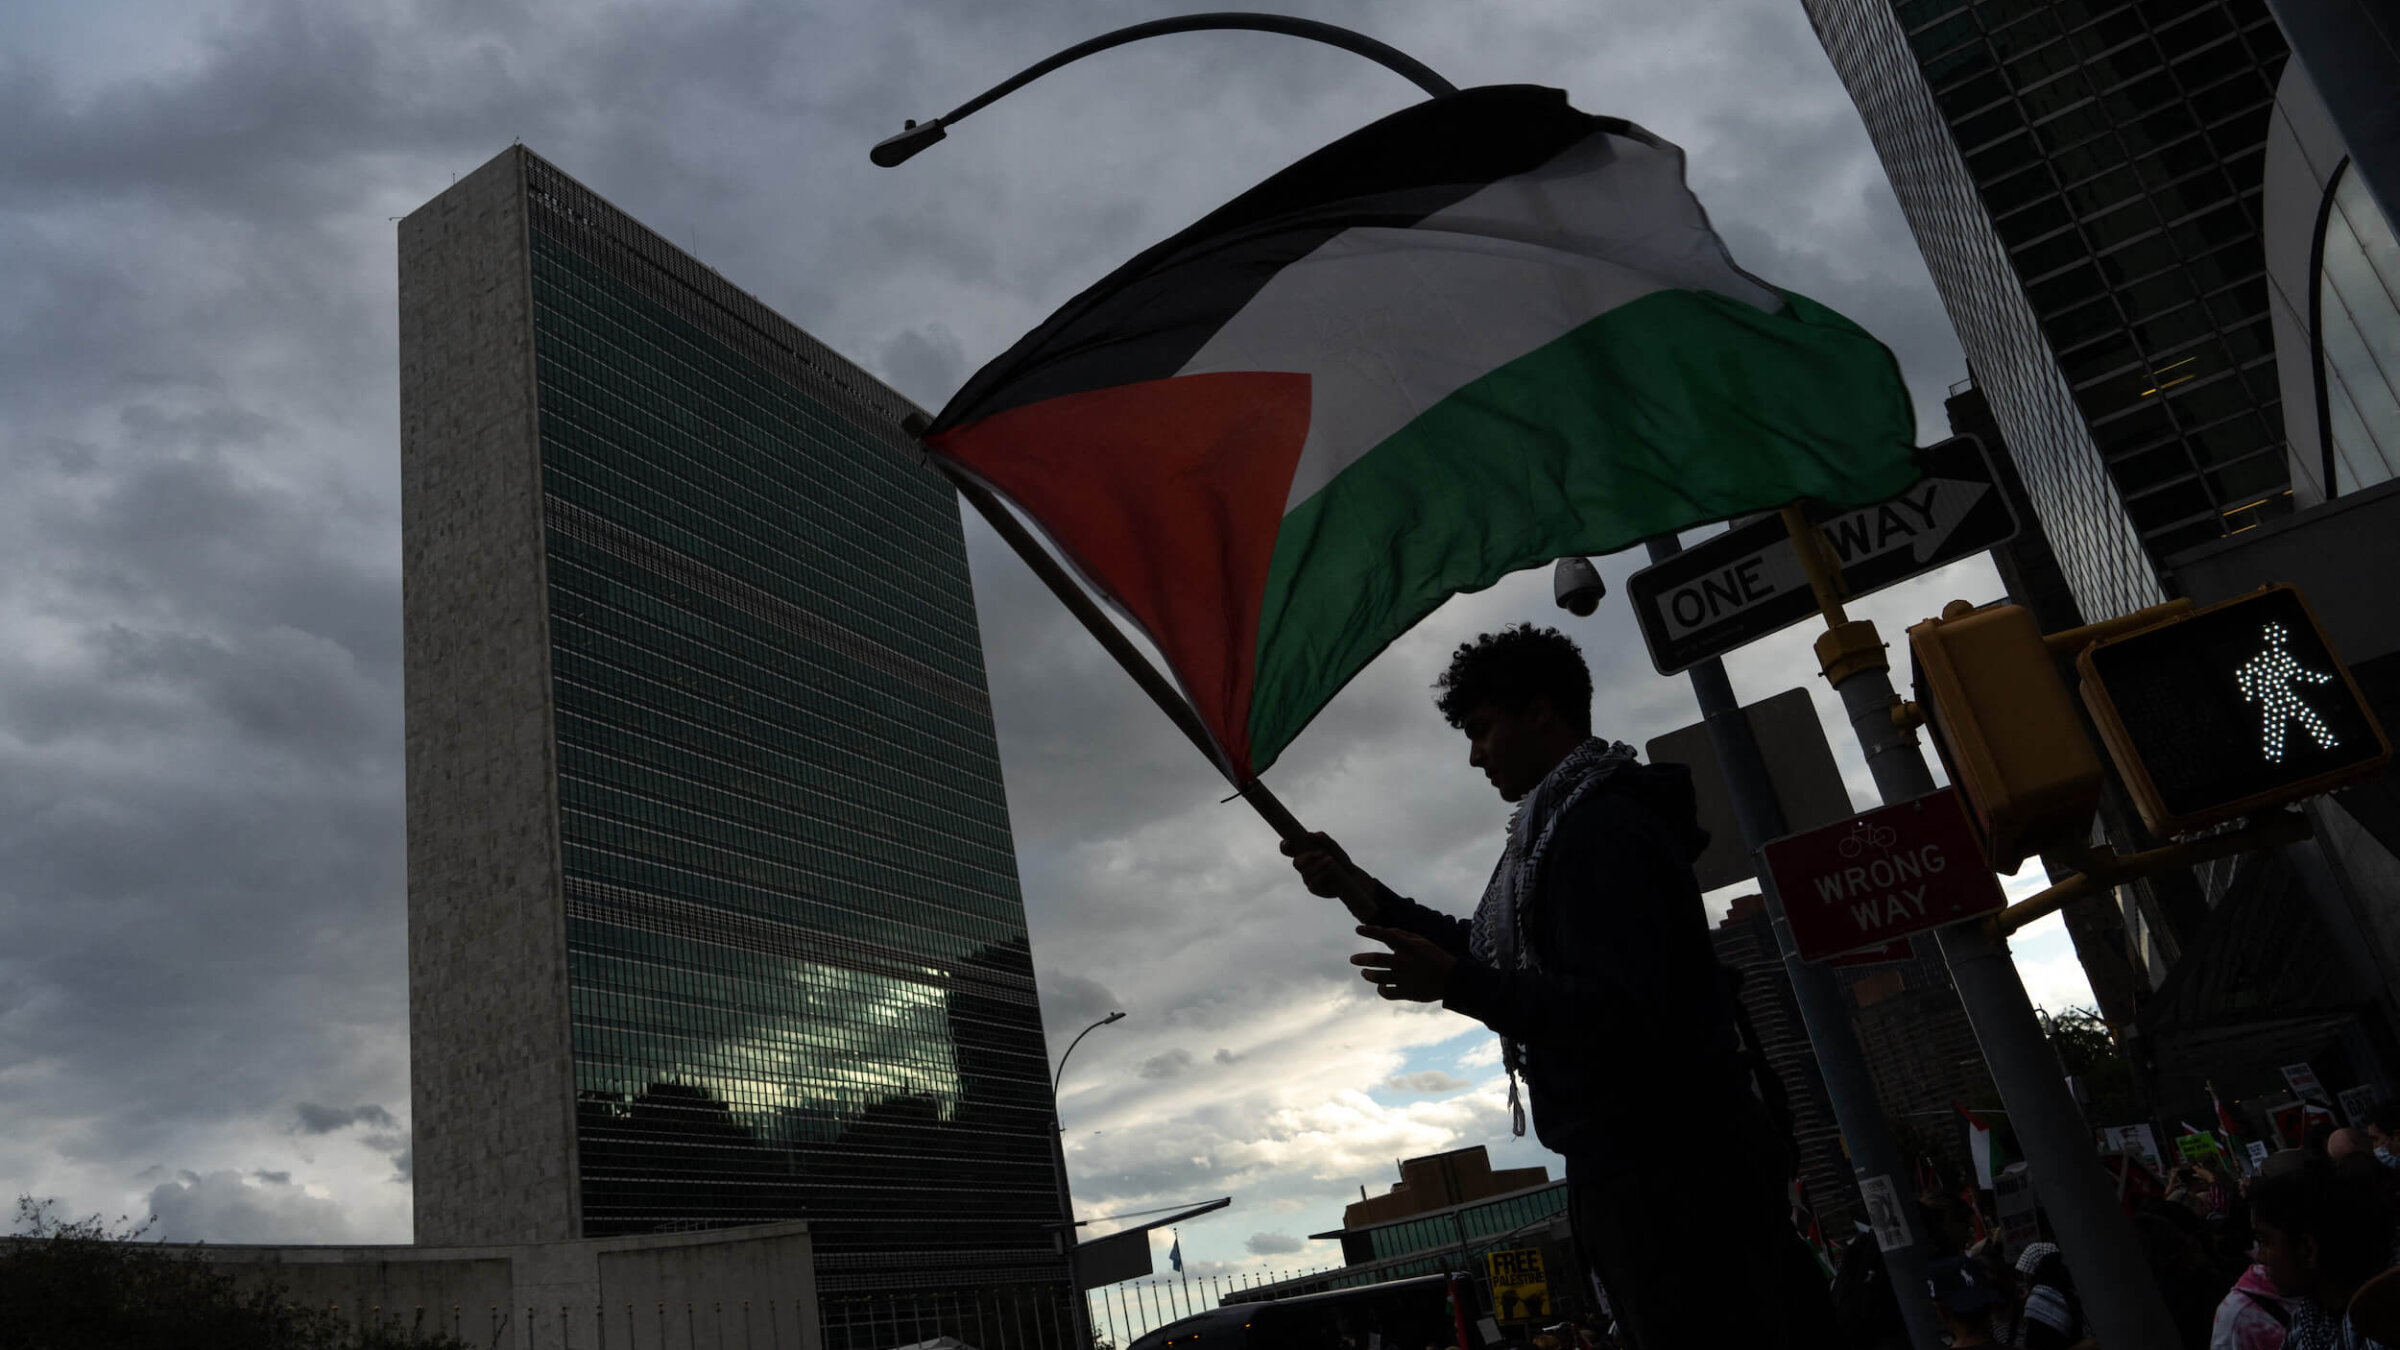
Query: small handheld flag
[1984,1145]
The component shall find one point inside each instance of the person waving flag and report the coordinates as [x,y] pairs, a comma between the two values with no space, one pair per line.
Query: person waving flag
[1482,333]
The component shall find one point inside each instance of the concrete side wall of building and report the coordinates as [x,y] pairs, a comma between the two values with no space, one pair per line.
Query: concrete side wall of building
[2340,555]
[670,1291]
[492,1085]
[2303,146]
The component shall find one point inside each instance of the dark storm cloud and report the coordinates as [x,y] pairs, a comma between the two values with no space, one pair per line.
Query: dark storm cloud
[927,364]
[225,1207]
[201,875]
[315,1119]
[1167,1065]
[1072,1002]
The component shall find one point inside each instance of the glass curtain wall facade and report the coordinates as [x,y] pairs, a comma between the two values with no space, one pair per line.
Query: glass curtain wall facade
[2083,177]
[1429,1244]
[797,972]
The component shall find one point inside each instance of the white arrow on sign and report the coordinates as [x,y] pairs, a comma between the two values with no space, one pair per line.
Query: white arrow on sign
[1919,520]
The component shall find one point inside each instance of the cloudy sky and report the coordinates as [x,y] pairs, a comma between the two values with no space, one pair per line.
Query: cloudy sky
[203,1010]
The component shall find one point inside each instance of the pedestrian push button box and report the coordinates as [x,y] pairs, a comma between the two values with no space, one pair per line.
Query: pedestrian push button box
[2007,729]
[2229,710]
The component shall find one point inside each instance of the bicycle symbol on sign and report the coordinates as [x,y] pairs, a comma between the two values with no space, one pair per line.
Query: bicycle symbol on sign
[1864,835]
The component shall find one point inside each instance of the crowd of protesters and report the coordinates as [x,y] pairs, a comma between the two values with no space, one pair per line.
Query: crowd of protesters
[1591,923]
[2288,1259]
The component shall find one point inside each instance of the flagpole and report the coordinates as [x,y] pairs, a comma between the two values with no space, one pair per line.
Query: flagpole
[1112,639]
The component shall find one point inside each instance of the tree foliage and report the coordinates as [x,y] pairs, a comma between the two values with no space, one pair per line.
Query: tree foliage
[2087,1052]
[81,1285]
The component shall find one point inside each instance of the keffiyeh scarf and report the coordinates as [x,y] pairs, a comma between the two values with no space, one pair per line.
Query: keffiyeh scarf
[1496,936]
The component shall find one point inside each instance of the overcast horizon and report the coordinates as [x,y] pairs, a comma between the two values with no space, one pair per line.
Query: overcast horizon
[203,1002]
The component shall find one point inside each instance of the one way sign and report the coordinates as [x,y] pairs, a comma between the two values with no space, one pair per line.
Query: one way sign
[1747,582]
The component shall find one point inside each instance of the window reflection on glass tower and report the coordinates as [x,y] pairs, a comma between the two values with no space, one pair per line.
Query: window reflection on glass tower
[714,910]
[2083,177]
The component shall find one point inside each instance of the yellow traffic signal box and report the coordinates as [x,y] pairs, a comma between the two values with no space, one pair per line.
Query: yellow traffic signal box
[2228,710]
[2007,729]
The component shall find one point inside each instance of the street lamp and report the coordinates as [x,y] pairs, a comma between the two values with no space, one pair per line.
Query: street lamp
[916,136]
[1066,1199]
[1055,1122]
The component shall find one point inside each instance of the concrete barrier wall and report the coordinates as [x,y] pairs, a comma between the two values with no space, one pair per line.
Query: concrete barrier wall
[726,1289]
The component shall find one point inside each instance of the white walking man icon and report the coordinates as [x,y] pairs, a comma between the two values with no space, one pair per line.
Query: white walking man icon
[2269,680]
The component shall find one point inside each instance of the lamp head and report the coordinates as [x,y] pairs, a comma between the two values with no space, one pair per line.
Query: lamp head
[1112,1017]
[914,137]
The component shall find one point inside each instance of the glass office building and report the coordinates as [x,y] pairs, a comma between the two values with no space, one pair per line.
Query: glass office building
[2084,177]
[715,915]
[1441,1240]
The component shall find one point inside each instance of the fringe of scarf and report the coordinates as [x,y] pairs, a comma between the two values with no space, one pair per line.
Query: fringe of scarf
[1496,936]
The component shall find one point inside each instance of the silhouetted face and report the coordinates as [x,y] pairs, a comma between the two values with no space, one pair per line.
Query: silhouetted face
[1515,749]
[2291,1262]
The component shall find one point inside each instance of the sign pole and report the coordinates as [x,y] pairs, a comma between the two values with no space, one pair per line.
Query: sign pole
[2094,1235]
[1848,1083]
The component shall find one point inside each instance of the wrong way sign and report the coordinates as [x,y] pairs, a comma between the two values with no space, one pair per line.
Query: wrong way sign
[1882,875]
[1748,582]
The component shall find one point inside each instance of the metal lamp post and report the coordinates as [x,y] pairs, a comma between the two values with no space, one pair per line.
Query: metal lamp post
[915,138]
[1066,1200]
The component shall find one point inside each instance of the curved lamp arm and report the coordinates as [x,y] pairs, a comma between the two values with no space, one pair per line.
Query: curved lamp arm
[892,150]
[1062,1060]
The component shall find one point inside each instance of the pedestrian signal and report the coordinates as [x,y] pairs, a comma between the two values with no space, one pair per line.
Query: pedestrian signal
[2230,709]
[2006,728]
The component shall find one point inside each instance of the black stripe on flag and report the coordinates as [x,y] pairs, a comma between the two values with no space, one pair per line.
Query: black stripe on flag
[1148,318]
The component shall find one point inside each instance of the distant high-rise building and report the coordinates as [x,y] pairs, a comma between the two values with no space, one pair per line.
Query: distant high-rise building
[714,914]
[1920,1051]
[1745,942]
[2083,177]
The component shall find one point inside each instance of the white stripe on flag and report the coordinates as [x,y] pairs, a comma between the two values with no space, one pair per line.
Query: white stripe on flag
[1389,322]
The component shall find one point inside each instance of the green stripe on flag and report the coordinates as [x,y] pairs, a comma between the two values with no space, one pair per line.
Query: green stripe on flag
[1674,410]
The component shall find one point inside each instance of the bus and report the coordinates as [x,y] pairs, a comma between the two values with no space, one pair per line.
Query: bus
[1410,1314]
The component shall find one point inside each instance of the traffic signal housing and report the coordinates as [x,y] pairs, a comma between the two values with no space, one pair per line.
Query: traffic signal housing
[2227,710]
[2007,729]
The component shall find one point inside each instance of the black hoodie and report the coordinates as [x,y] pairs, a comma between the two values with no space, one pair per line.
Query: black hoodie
[1626,1024]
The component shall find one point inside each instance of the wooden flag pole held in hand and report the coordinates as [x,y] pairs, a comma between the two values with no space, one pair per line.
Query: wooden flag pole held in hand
[1163,693]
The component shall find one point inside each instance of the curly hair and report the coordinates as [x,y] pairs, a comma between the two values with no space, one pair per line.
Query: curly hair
[1508,669]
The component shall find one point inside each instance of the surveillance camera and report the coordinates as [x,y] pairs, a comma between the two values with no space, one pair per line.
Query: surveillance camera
[1578,586]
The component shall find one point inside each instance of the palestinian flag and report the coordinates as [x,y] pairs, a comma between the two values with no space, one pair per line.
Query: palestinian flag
[1480,334]
[2231,1130]
[1812,1232]
[1984,1145]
